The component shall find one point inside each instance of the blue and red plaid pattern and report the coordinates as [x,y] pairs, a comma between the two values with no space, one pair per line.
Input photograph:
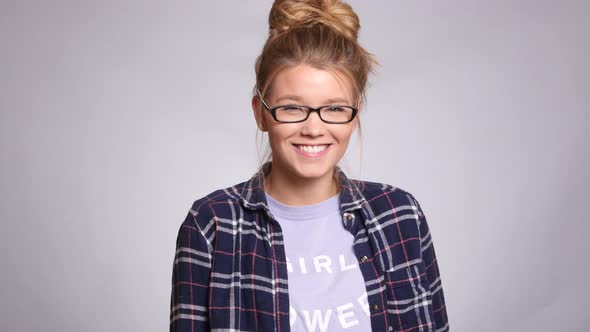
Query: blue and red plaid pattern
[230,270]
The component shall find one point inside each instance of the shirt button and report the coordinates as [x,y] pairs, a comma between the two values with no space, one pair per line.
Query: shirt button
[364,259]
[375,307]
[348,218]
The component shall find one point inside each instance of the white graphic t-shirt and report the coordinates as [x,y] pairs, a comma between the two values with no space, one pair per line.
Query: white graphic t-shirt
[326,288]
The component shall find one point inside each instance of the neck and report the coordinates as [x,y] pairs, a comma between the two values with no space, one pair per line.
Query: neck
[294,191]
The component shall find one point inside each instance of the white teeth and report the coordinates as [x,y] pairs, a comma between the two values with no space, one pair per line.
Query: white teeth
[312,148]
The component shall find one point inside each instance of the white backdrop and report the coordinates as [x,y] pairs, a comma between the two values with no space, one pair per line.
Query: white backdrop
[117,115]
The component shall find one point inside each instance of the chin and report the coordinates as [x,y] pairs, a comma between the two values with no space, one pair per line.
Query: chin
[312,171]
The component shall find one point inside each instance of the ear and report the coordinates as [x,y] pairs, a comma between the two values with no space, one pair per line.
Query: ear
[257,109]
[360,104]
[357,121]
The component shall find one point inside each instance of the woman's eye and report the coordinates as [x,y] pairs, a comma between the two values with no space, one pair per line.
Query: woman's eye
[291,108]
[336,109]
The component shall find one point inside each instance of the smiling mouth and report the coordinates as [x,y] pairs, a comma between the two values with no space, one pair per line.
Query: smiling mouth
[312,148]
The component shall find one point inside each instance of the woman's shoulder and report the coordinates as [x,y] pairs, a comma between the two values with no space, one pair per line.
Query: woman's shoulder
[221,196]
[371,188]
[384,194]
[202,220]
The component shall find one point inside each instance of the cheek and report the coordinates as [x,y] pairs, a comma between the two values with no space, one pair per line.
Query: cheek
[278,134]
[344,134]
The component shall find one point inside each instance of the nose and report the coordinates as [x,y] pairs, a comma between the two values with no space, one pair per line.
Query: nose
[313,126]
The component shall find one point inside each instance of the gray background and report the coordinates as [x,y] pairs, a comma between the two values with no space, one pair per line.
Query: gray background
[117,115]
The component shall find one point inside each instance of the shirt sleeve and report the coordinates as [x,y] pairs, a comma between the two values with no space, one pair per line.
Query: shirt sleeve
[432,274]
[190,277]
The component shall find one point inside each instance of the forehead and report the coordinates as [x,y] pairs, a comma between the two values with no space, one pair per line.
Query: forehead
[311,85]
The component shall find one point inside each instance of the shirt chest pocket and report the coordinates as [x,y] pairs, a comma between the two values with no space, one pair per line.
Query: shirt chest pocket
[409,300]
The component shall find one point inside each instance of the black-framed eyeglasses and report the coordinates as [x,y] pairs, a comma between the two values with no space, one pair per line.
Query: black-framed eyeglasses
[337,114]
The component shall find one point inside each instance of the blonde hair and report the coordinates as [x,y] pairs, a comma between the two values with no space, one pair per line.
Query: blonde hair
[320,33]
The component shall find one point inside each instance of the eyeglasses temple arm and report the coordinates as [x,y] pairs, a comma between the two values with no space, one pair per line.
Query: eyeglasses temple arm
[262,100]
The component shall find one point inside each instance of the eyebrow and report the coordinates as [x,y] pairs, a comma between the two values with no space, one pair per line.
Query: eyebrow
[298,99]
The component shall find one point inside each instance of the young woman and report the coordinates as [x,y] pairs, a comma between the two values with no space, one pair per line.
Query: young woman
[299,246]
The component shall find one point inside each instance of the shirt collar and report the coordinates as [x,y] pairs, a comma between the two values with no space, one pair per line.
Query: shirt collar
[252,194]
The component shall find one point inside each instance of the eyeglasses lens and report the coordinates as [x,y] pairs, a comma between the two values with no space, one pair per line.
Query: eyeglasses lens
[335,114]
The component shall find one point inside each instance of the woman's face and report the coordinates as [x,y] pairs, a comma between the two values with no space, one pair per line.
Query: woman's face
[308,149]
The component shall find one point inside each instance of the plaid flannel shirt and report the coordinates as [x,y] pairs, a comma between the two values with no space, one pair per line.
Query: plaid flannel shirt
[230,270]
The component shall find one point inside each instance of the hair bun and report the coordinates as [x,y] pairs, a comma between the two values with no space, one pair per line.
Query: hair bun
[292,14]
